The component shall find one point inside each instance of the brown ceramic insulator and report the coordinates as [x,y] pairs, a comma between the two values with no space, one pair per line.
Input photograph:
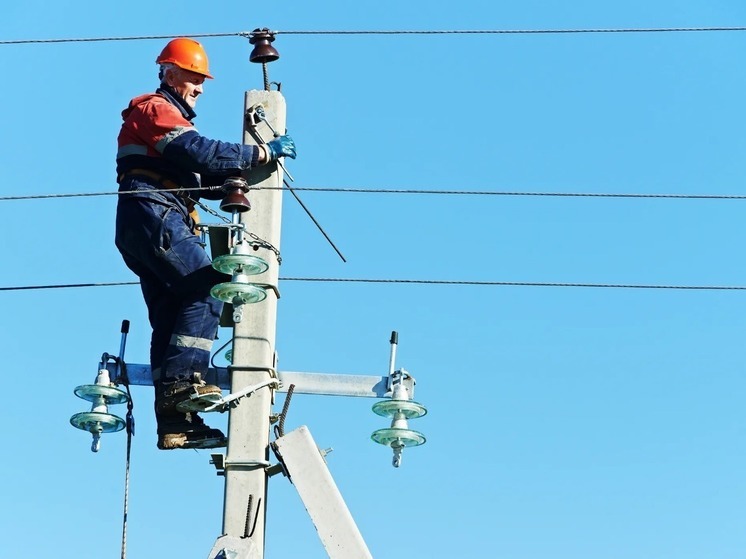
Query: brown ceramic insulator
[235,199]
[263,50]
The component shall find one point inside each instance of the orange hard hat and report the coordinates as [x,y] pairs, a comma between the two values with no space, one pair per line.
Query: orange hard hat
[186,54]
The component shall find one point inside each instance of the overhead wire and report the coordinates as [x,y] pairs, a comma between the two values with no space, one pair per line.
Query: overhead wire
[422,281]
[103,39]
[357,190]
[389,32]
[415,191]
[521,284]
[408,32]
[473,283]
[410,191]
[514,31]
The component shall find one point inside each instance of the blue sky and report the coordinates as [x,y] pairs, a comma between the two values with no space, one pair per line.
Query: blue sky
[563,422]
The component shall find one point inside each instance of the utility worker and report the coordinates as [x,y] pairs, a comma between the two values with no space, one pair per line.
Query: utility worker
[163,166]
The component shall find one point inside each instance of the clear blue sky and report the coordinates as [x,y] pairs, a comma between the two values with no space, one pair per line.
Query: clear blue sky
[564,423]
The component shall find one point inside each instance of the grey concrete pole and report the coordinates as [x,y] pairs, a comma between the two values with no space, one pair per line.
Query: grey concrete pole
[254,349]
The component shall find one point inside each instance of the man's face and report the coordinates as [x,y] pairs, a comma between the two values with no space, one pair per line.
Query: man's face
[186,83]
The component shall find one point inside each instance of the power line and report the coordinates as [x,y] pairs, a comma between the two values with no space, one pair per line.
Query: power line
[67,286]
[247,34]
[473,283]
[516,193]
[516,31]
[415,191]
[51,196]
[520,284]
[102,39]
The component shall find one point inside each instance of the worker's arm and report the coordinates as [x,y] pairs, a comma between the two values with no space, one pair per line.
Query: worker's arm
[154,128]
[198,154]
[213,157]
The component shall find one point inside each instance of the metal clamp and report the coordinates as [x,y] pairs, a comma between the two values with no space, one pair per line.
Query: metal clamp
[208,403]
[254,115]
[221,464]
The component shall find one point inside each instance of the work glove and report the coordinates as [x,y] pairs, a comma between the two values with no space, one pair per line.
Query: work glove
[281,146]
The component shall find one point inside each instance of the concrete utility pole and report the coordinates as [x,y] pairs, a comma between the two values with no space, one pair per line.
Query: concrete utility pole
[254,350]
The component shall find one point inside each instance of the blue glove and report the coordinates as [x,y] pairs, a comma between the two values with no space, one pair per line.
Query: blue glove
[282,146]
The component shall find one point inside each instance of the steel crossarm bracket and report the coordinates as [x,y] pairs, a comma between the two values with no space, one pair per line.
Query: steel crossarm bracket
[326,384]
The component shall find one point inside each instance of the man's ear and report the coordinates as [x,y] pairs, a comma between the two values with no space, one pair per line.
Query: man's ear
[168,76]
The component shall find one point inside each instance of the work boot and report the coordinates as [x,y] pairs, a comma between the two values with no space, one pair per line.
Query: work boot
[168,395]
[187,430]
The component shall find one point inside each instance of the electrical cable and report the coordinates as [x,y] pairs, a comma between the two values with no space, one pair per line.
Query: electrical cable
[516,193]
[477,283]
[518,284]
[513,31]
[390,32]
[67,286]
[100,39]
[217,351]
[415,191]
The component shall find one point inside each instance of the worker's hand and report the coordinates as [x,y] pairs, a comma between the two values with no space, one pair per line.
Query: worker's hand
[282,146]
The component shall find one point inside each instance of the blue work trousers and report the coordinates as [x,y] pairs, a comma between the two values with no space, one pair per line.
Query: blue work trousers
[157,243]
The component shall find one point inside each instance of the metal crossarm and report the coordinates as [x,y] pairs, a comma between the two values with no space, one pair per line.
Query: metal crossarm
[325,384]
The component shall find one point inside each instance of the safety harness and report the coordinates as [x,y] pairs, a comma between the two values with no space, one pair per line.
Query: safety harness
[168,184]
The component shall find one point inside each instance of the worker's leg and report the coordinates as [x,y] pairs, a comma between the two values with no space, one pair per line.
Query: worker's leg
[175,275]
[193,331]
[163,308]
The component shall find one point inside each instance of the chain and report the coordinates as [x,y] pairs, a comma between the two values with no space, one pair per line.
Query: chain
[258,240]
[208,209]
